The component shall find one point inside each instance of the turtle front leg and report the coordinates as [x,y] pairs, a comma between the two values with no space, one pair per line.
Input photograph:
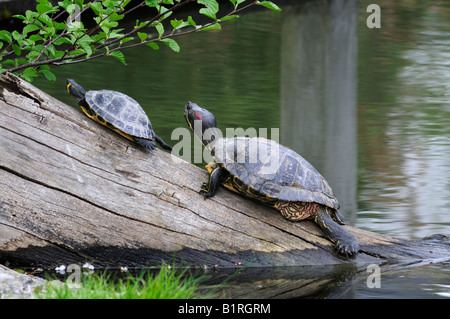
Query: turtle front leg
[343,240]
[209,188]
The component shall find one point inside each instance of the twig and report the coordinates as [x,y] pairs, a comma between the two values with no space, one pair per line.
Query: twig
[78,58]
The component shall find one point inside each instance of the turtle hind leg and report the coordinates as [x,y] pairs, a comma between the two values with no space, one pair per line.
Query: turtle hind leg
[148,144]
[343,240]
[163,144]
[338,218]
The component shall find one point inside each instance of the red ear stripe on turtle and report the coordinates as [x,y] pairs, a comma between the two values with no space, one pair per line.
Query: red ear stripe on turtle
[198,116]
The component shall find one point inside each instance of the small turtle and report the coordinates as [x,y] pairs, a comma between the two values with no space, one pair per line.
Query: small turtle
[272,174]
[118,112]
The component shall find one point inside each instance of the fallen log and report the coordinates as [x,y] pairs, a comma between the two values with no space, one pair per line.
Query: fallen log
[73,191]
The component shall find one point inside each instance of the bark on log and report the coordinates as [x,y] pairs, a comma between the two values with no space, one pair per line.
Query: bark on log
[73,191]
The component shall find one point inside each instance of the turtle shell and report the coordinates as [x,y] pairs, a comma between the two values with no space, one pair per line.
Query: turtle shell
[121,111]
[273,170]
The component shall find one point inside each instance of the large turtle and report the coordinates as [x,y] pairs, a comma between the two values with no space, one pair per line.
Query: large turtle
[271,174]
[119,112]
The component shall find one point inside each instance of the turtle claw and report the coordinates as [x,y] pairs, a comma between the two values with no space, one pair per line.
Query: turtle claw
[205,191]
[349,250]
[330,223]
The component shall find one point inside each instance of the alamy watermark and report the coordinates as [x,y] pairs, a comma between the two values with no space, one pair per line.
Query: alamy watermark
[233,147]
[75,14]
[374,279]
[75,272]
[374,19]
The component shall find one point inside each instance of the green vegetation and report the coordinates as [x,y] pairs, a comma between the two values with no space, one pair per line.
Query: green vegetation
[168,283]
[56,35]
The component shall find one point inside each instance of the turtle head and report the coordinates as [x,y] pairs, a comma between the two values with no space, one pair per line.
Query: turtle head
[202,122]
[75,89]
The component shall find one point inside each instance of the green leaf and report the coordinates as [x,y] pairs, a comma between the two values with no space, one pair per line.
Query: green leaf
[9,61]
[19,16]
[18,37]
[16,49]
[191,21]
[236,2]
[116,17]
[64,4]
[172,44]
[118,55]
[53,53]
[76,52]
[75,26]
[109,4]
[142,35]
[29,73]
[48,75]
[109,24]
[59,25]
[163,10]
[97,8]
[70,8]
[153,45]
[35,37]
[62,40]
[35,52]
[85,39]
[46,8]
[29,28]
[30,16]
[85,44]
[86,48]
[116,34]
[152,3]
[48,32]
[212,7]
[33,55]
[125,40]
[125,3]
[46,19]
[270,5]
[79,3]
[215,26]
[160,28]
[105,30]
[176,23]
[229,17]
[5,36]
[27,44]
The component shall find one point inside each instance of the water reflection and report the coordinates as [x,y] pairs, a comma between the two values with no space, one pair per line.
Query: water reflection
[318,91]
[424,282]
[404,188]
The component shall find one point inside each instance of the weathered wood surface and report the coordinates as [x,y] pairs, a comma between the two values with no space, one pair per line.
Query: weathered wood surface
[72,191]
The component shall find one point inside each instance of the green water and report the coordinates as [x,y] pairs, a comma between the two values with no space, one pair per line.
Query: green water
[369,108]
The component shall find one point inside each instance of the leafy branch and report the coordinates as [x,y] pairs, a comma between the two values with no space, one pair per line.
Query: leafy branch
[46,41]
